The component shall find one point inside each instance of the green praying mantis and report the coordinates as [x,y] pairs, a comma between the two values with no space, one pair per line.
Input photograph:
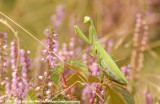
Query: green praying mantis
[110,69]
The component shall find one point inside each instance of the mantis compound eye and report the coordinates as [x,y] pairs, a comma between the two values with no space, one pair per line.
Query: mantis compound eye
[86,19]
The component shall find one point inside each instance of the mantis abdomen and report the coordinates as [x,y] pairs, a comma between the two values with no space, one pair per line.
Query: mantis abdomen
[109,67]
[110,74]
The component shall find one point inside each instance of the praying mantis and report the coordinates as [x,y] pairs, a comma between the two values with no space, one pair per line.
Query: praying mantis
[110,69]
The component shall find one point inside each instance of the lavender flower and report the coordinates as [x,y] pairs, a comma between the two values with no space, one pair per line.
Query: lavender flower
[8,87]
[3,61]
[58,17]
[126,71]
[20,80]
[26,69]
[15,80]
[52,45]
[148,98]
[15,76]
[70,50]
[95,71]
[87,93]
[47,88]
[26,63]
[14,54]
[50,60]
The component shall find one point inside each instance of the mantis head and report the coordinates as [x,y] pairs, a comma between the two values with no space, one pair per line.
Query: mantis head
[87,19]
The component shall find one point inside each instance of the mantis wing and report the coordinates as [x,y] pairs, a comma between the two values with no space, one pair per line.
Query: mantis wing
[107,62]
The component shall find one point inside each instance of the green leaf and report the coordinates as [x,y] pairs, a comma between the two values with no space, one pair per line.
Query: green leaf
[108,100]
[93,79]
[128,98]
[57,72]
[72,79]
[31,97]
[120,93]
[115,96]
[77,66]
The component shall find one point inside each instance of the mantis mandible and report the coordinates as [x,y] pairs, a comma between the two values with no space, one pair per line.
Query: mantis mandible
[110,69]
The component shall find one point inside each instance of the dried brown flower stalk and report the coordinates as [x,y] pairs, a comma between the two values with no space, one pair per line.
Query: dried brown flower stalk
[139,42]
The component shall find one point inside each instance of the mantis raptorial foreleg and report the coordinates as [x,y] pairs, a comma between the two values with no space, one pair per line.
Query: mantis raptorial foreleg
[82,36]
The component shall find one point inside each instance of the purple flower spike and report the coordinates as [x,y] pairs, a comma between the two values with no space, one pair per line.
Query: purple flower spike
[8,87]
[148,97]
[20,80]
[58,17]
[26,63]
[126,71]
[14,54]
[3,55]
[52,44]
